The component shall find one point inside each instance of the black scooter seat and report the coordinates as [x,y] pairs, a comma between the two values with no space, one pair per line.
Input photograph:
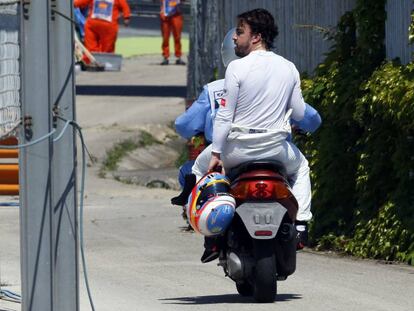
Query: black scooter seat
[257,165]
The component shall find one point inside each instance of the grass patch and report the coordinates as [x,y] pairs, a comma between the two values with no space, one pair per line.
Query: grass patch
[146,139]
[121,149]
[183,157]
[136,46]
[117,152]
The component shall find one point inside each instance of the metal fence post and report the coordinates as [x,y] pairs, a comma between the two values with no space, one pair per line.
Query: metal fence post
[49,258]
[204,55]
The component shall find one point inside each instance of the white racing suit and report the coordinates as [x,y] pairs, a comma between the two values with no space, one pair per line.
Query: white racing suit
[245,145]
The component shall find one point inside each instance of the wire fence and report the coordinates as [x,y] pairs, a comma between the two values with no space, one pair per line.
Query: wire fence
[396,30]
[10,105]
[300,39]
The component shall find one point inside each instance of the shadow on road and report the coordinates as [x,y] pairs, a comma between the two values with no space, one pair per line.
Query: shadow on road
[218,299]
[132,90]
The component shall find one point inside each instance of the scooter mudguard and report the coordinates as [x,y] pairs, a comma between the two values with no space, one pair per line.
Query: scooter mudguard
[262,220]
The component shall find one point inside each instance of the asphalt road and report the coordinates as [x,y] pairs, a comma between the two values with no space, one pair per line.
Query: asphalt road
[139,258]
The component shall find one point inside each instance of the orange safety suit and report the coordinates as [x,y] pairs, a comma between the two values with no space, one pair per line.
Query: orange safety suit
[171,21]
[101,27]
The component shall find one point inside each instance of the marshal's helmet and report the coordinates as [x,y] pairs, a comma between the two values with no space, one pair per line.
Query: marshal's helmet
[210,207]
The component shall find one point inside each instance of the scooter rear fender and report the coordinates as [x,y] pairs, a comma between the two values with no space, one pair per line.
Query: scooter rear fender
[261,217]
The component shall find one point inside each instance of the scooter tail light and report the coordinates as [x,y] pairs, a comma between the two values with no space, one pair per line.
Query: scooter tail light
[260,190]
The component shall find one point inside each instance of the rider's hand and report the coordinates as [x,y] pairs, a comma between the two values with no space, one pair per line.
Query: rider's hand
[216,163]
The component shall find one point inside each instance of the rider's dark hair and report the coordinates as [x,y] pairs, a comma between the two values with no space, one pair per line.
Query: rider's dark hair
[261,22]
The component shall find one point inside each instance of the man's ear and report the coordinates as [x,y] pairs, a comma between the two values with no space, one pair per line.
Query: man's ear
[256,38]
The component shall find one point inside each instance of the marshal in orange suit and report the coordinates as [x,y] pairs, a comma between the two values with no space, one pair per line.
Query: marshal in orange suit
[101,28]
[171,21]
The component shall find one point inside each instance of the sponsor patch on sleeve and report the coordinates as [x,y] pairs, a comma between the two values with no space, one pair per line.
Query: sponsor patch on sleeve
[218,95]
[223,102]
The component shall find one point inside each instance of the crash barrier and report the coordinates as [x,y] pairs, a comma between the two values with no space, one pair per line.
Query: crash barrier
[9,168]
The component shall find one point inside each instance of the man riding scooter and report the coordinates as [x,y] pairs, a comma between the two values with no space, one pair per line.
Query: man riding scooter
[197,120]
[265,88]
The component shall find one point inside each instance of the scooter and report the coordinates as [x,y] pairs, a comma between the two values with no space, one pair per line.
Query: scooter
[259,247]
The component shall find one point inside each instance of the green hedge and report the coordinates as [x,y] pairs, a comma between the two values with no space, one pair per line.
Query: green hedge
[362,156]
[386,156]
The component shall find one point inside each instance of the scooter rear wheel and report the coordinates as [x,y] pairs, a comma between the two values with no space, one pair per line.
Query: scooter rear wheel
[264,277]
[244,289]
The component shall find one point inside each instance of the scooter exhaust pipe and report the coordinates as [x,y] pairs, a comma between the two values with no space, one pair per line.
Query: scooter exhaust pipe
[234,266]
